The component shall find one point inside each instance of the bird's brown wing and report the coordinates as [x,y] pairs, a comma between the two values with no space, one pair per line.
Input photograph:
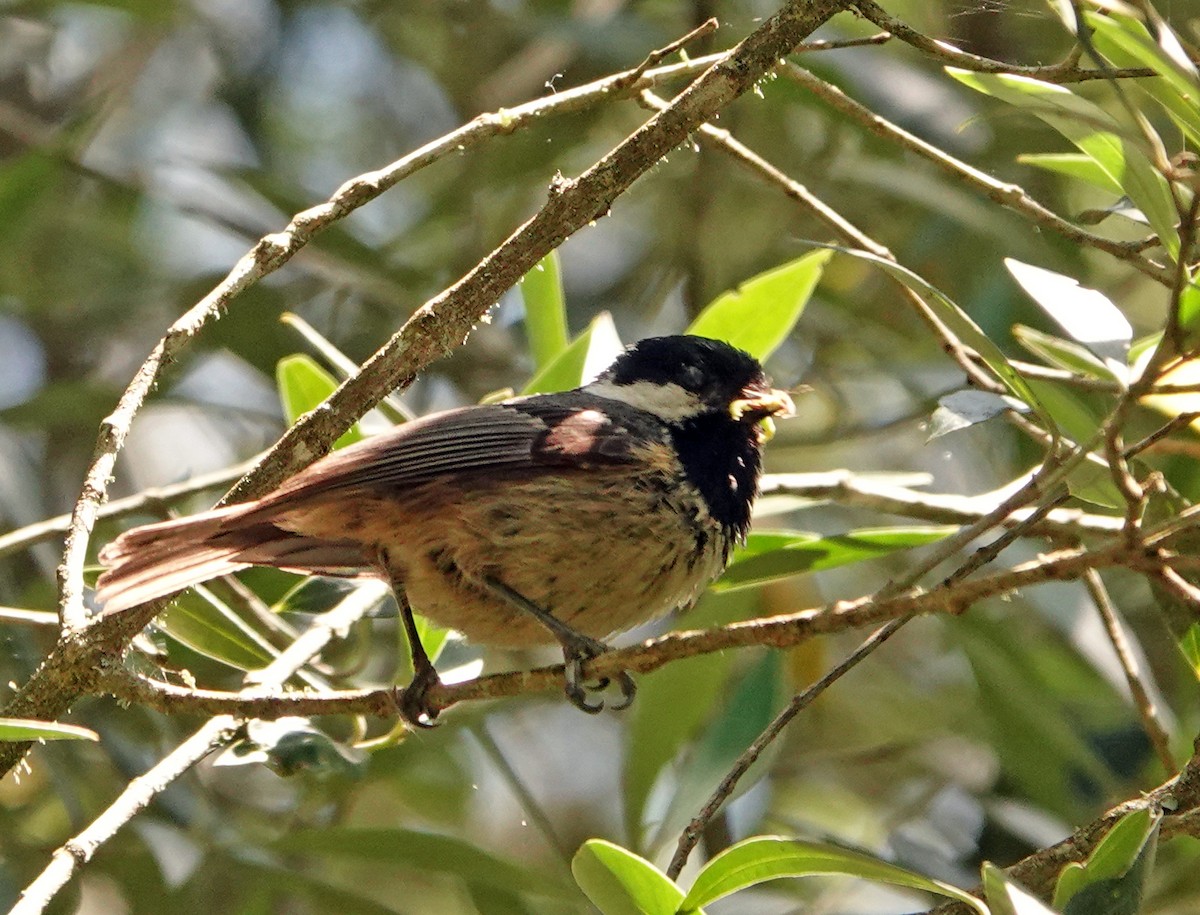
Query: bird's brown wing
[532,435]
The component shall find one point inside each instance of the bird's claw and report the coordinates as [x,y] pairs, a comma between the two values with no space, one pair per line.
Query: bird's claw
[575,653]
[412,701]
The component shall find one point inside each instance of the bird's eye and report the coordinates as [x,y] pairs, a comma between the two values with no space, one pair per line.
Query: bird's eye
[691,377]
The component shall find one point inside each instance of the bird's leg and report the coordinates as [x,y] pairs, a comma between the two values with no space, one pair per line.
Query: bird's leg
[412,700]
[576,647]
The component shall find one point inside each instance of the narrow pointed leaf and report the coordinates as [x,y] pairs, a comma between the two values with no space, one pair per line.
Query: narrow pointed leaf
[1093,131]
[587,355]
[31,729]
[303,385]
[962,326]
[771,555]
[1074,165]
[1088,316]
[764,858]
[758,316]
[968,408]
[1116,857]
[545,310]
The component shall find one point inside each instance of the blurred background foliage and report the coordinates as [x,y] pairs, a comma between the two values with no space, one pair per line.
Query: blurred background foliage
[145,145]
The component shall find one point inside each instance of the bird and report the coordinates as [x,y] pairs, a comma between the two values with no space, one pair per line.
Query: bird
[562,517]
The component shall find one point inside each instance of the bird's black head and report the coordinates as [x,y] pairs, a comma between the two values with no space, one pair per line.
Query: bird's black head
[678,378]
[713,397]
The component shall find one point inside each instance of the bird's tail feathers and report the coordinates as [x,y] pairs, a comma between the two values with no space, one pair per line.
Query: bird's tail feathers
[157,560]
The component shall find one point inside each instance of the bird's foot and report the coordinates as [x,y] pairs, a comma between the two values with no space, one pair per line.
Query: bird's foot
[412,701]
[577,650]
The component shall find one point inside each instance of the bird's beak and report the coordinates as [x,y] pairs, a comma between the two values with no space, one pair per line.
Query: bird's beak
[760,406]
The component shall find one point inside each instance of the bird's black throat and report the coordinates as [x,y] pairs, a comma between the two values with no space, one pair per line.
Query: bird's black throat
[722,459]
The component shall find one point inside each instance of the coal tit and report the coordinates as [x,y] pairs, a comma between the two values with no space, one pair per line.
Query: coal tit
[552,518]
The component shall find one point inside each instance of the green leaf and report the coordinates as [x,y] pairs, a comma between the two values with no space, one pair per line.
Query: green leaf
[545,310]
[1088,316]
[771,555]
[210,628]
[1006,897]
[31,729]
[1189,645]
[1064,354]
[1038,742]
[1114,875]
[962,326]
[1074,165]
[304,385]
[587,355]
[1094,132]
[764,858]
[1128,43]
[1189,315]
[618,882]
[390,407]
[1078,416]
[758,316]
[423,851]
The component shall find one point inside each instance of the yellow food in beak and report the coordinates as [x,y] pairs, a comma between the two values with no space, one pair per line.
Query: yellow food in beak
[762,406]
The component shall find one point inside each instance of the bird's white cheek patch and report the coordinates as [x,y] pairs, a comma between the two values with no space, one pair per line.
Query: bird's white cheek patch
[669,402]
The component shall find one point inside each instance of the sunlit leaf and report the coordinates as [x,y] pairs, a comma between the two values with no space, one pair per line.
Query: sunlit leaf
[589,353]
[1085,314]
[1064,354]
[771,555]
[1074,165]
[1112,879]
[961,325]
[545,310]
[758,316]
[304,385]
[962,409]
[1128,43]
[618,882]
[764,858]
[1093,131]
[1006,897]
[31,729]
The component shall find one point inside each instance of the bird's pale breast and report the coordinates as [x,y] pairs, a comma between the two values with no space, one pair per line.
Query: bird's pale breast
[601,549]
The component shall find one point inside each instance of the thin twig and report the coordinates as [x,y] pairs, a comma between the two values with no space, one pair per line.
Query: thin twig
[1009,195]
[695,829]
[846,488]
[148,501]
[845,230]
[138,795]
[1151,722]
[658,56]
[944,53]
[1178,799]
